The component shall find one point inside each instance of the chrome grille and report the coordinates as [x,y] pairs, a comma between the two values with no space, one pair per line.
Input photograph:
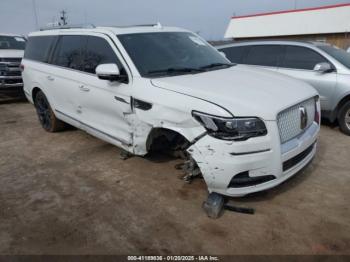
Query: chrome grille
[290,120]
[10,73]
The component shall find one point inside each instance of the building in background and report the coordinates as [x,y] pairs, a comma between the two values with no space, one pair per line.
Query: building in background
[327,23]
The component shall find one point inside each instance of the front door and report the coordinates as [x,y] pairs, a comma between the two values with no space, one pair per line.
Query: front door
[299,62]
[104,105]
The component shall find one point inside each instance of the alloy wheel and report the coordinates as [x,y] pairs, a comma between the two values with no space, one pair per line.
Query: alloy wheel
[43,109]
[347,119]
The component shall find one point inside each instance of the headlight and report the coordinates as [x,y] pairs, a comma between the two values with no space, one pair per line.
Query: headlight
[236,128]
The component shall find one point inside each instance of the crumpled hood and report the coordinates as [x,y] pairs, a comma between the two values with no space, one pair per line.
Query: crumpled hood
[242,90]
[11,53]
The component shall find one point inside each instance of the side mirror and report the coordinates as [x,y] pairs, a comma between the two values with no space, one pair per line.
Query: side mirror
[323,67]
[223,54]
[109,72]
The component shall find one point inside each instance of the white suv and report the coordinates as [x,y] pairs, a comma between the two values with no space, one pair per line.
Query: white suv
[152,87]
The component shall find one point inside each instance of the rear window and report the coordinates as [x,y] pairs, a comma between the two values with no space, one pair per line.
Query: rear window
[263,55]
[12,42]
[69,52]
[235,54]
[38,48]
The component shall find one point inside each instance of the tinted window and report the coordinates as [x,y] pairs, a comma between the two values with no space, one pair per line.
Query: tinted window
[339,54]
[38,48]
[301,58]
[166,53]
[235,54]
[264,55]
[68,52]
[12,42]
[98,52]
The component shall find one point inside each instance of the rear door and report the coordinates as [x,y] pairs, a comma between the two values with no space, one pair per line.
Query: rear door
[299,62]
[65,74]
[104,105]
[264,56]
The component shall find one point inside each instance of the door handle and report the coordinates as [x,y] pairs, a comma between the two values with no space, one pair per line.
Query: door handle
[84,88]
[50,78]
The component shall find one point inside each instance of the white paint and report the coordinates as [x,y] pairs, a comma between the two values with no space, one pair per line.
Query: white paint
[89,103]
[321,21]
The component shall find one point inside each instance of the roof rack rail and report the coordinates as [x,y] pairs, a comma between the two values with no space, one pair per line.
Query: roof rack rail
[67,27]
[139,25]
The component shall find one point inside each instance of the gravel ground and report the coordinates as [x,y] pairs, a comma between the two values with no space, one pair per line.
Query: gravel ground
[69,193]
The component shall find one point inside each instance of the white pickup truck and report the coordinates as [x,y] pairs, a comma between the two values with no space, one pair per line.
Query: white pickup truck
[11,53]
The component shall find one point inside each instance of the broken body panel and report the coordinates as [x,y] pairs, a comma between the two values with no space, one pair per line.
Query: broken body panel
[132,114]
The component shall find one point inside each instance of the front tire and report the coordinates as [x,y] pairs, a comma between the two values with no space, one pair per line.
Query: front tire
[344,118]
[45,114]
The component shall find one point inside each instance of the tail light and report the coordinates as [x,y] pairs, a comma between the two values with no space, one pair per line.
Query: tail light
[317,113]
[21,67]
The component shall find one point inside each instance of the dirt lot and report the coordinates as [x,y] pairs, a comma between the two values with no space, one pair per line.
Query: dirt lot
[69,193]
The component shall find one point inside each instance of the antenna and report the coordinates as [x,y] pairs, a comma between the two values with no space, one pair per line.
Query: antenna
[63,18]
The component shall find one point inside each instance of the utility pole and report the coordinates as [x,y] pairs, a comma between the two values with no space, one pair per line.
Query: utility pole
[35,14]
[63,18]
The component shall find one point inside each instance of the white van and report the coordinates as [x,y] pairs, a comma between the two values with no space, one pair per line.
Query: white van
[153,87]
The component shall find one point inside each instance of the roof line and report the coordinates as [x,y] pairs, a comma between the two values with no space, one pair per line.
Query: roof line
[293,11]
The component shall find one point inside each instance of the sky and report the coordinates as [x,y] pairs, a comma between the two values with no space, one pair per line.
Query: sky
[209,18]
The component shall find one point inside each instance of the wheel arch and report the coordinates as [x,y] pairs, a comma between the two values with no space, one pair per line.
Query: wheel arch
[35,91]
[156,136]
[345,99]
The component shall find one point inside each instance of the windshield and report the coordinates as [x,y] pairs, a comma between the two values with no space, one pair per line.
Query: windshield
[12,42]
[171,53]
[339,54]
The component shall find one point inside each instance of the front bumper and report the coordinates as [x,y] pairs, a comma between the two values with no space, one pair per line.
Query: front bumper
[261,157]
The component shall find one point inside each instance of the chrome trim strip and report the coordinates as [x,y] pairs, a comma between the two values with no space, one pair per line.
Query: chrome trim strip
[11,63]
[120,99]
[10,77]
[294,143]
[249,153]
[114,138]
[11,85]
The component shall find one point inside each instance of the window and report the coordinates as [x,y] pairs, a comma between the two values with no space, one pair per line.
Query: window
[38,48]
[98,51]
[68,52]
[12,42]
[235,54]
[301,58]
[339,54]
[162,53]
[263,55]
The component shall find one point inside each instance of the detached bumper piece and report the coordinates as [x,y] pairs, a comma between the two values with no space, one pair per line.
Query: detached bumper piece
[216,204]
[244,180]
[297,159]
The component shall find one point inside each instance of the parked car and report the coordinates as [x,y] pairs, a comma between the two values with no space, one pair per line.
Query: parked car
[11,53]
[325,67]
[153,87]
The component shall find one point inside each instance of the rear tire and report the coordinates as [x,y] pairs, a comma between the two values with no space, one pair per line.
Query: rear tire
[344,118]
[46,116]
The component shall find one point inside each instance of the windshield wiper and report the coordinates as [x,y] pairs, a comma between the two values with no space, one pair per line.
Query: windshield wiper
[174,70]
[213,65]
